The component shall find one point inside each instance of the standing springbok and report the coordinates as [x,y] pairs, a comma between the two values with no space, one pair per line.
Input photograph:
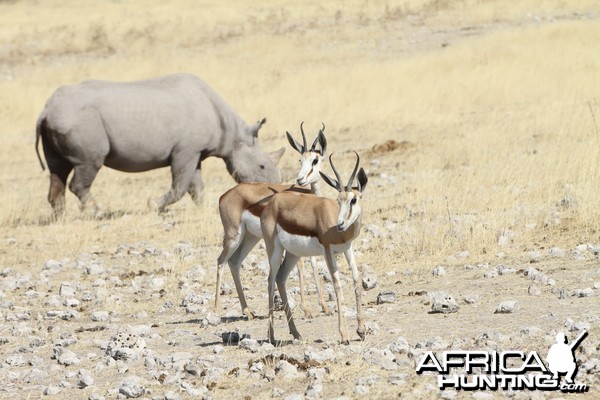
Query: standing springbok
[304,226]
[240,210]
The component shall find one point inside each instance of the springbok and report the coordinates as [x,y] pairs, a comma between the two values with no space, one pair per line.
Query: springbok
[240,209]
[305,226]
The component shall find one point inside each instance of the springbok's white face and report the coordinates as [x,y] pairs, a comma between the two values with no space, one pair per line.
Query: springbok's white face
[310,166]
[349,203]
[349,197]
[311,160]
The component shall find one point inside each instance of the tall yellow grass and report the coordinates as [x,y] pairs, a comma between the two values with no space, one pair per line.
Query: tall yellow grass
[500,100]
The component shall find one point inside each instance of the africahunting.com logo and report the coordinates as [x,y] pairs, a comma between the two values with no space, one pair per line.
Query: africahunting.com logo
[507,370]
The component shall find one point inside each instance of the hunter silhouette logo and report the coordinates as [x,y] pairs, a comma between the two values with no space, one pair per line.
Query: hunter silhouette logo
[561,357]
[507,370]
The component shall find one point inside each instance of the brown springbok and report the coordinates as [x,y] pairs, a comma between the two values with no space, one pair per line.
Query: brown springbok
[240,210]
[302,226]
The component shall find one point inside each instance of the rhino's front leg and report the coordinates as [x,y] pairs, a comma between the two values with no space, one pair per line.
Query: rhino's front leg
[182,172]
[196,187]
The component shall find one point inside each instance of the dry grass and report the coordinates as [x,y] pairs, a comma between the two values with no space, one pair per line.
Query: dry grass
[500,101]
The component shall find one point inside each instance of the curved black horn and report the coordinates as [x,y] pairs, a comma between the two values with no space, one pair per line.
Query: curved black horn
[323,128]
[321,140]
[349,185]
[303,137]
[337,174]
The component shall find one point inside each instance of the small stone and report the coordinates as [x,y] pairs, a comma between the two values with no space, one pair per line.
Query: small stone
[131,388]
[557,252]
[442,302]
[320,356]
[534,290]
[398,379]
[490,274]
[53,265]
[504,270]
[94,269]
[66,290]
[85,379]
[249,344]
[369,281]
[66,357]
[386,297]
[287,370]
[507,307]
[580,326]
[587,292]
[157,283]
[439,271]
[399,346]
[51,390]
[100,316]
[534,256]
[361,390]
[471,298]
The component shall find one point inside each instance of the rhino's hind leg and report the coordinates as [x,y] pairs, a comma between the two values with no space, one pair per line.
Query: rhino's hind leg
[59,172]
[83,177]
[196,187]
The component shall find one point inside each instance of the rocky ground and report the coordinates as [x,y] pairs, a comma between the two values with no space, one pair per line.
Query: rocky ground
[120,323]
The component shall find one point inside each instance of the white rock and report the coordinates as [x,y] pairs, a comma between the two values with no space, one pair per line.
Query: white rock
[587,292]
[471,298]
[507,307]
[533,290]
[51,390]
[85,379]
[439,271]
[131,388]
[442,302]
[100,316]
[320,356]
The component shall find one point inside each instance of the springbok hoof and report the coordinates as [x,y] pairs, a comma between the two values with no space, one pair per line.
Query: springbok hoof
[249,314]
[308,313]
[361,333]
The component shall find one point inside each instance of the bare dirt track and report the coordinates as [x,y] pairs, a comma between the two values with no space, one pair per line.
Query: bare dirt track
[477,123]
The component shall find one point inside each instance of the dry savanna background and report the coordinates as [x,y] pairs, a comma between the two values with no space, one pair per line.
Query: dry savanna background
[477,121]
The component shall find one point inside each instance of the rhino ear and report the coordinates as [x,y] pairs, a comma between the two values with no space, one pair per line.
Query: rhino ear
[276,155]
[253,130]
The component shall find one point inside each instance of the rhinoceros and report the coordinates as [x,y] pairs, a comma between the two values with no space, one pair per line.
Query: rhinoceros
[174,120]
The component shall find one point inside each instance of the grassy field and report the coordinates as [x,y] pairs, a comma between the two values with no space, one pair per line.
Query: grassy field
[499,105]
[493,108]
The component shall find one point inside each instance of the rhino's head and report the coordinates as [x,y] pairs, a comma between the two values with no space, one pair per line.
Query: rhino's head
[249,163]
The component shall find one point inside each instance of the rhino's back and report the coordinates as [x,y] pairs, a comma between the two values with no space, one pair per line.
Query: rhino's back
[144,121]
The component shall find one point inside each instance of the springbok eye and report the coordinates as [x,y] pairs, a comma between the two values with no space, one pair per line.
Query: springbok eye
[353,201]
[315,161]
[261,166]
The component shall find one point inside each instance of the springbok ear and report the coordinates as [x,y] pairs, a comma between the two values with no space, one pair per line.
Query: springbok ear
[276,155]
[322,143]
[295,145]
[330,181]
[253,130]
[362,180]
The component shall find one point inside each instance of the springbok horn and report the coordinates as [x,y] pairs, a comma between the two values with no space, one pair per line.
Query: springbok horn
[303,137]
[337,174]
[314,145]
[349,185]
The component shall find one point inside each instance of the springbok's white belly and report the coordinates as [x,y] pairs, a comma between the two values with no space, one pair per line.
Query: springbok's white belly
[299,245]
[252,223]
[306,246]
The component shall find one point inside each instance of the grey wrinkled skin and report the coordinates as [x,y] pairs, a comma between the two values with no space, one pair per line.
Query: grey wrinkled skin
[174,120]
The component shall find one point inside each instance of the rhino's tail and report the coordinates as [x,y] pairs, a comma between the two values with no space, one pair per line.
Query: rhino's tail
[38,133]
